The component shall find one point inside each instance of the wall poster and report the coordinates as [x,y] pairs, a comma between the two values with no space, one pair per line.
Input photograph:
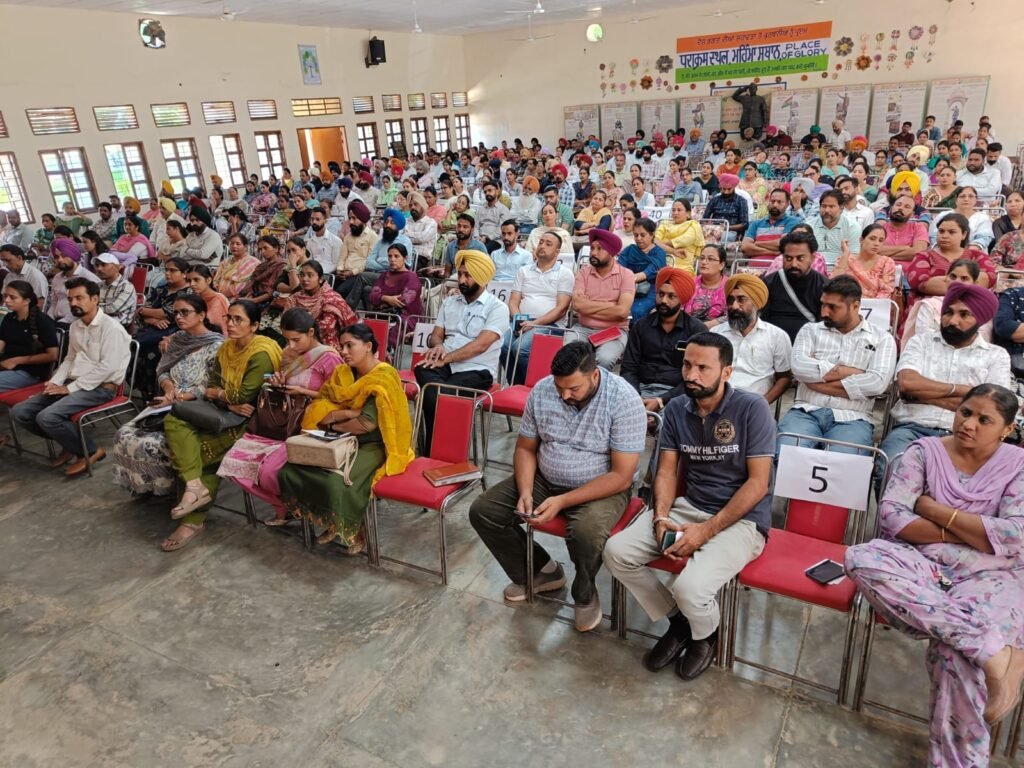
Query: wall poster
[581,121]
[657,116]
[961,98]
[893,104]
[849,103]
[794,111]
[618,122]
[702,112]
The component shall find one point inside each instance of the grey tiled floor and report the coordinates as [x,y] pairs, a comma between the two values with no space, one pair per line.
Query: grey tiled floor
[246,650]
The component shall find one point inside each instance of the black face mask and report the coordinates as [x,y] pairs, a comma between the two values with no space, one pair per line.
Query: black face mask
[955,336]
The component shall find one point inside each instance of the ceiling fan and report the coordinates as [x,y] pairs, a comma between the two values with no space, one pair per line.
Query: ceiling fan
[226,14]
[530,37]
[538,8]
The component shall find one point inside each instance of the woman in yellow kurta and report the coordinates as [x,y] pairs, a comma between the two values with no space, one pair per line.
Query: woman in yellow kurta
[365,398]
[681,238]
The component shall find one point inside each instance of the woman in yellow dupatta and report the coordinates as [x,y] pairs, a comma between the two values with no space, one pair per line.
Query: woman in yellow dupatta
[365,398]
[238,371]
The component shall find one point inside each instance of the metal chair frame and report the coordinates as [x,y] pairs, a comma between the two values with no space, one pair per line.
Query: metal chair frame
[63,338]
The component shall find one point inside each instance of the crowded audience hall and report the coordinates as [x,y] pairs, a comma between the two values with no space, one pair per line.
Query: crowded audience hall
[666,387]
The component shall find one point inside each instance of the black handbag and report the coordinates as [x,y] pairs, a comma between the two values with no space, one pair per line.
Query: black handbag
[278,414]
[207,417]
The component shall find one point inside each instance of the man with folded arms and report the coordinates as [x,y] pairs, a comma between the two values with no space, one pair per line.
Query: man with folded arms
[578,449]
[98,353]
[603,295]
[937,369]
[725,438]
[117,296]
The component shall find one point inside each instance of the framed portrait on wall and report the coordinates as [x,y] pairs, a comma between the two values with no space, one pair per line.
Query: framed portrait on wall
[309,62]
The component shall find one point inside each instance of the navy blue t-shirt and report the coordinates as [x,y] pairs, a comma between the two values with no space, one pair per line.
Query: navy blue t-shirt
[714,449]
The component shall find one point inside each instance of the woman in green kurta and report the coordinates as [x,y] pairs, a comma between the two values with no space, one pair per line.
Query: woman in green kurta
[365,398]
[236,379]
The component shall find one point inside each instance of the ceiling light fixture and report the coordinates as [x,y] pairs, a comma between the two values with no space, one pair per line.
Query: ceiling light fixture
[416,28]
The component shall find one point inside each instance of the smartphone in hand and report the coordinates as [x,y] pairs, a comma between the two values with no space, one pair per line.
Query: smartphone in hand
[668,539]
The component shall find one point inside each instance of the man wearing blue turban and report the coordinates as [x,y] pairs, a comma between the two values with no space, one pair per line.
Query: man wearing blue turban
[377,262]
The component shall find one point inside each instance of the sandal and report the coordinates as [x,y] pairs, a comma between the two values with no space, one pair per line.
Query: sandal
[278,522]
[184,534]
[191,501]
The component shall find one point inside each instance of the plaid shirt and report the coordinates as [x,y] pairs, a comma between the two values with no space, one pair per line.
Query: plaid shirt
[733,209]
[567,195]
[118,299]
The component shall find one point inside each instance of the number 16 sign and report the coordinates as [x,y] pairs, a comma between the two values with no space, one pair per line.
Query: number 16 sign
[840,479]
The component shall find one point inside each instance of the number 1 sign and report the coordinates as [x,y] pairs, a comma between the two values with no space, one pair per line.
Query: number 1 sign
[829,477]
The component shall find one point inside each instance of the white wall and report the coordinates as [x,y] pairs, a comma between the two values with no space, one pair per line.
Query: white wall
[82,59]
[519,89]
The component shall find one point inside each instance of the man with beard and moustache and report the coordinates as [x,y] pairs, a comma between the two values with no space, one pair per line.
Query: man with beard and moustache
[937,369]
[841,365]
[764,235]
[978,174]
[464,349]
[602,296]
[67,260]
[117,295]
[105,224]
[724,438]
[854,207]
[321,244]
[730,207]
[831,227]
[578,449]
[344,197]
[202,244]
[366,189]
[355,248]
[92,370]
[794,292]
[904,239]
[377,259]
[655,344]
[421,230]
[490,216]
[464,241]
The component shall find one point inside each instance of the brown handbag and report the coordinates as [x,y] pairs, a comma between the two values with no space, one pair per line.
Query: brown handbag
[278,414]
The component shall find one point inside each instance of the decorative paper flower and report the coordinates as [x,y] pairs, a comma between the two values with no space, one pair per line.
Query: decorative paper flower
[601,67]
[693,86]
[863,62]
[933,29]
[824,75]
[916,32]
[664,63]
[646,82]
[895,34]
[880,37]
[634,63]
[778,79]
[844,46]
[892,57]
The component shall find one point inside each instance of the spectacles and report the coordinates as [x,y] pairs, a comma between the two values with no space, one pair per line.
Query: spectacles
[232,320]
[709,259]
[184,312]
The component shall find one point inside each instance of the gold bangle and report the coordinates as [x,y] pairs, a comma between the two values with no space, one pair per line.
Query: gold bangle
[951,518]
[942,532]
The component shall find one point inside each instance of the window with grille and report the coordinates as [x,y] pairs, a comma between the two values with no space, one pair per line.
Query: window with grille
[392,102]
[3,130]
[182,159]
[217,112]
[417,101]
[460,99]
[366,133]
[316,107]
[362,105]
[129,170]
[270,153]
[49,121]
[419,134]
[67,172]
[442,134]
[228,159]
[171,115]
[439,100]
[462,137]
[12,190]
[122,118]
[395,132]
[262,109]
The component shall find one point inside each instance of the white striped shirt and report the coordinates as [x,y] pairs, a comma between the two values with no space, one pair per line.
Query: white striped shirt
[817,350]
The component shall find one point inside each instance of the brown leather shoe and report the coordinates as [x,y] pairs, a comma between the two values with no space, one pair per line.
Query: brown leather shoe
[82,465]
[60,461]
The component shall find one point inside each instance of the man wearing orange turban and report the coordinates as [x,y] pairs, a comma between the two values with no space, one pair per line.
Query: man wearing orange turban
[653,359]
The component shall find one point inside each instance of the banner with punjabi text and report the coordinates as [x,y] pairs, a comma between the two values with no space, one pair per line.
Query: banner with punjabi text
[754,53]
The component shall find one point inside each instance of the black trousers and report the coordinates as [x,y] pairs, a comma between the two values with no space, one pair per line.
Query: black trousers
[478,379]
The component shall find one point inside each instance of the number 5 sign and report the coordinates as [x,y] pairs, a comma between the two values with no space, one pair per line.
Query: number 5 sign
[829,477]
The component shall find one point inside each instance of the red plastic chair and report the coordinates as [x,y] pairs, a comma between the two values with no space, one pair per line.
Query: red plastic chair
[120,405]
[452,441]
[138,280]
[10,399]
[511,401]
[380,323]
[813,532]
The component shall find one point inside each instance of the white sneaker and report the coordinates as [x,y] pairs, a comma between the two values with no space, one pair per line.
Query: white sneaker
[542,582]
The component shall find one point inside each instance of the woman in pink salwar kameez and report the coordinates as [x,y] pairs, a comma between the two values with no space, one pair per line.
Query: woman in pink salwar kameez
[950,569]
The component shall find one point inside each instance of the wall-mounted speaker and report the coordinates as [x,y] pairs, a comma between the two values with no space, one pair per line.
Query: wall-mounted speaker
[375,52]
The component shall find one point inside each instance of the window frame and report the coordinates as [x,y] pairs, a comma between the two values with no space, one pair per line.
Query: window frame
[142,163]
[415,148]
[374,150]
[233,171]
[74,124]
[156,120]
[390,136]
[459,145]
[183,186]
[134,119]
[260,105]
[268,168]
[18,186]
[72,194]
[221,112]
[439,144]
